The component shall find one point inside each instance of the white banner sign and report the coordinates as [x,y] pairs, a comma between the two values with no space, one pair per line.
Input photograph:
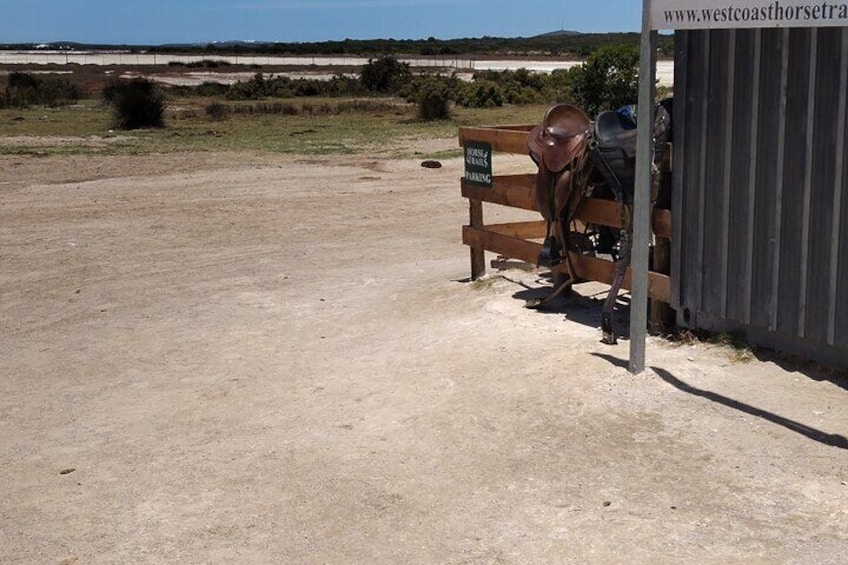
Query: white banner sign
[728,14]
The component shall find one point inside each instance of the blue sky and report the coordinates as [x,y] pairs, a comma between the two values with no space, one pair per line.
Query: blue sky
[167,21]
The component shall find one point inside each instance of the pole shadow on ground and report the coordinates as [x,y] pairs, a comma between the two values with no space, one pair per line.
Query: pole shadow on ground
[833,440]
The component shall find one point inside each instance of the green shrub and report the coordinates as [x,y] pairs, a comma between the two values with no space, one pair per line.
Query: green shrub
[254,89]
[110,90]
[341,85]
[208,64]
[23,89]
[304,87]
[515,93]
[138,103]
[607,80]
[185,91]
[481,94]
[434,102]
[559,86]
[58,92]
[385,75]
[260,87]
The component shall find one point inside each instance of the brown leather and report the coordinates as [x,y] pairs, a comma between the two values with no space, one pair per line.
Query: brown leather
[563,195]
[560,138]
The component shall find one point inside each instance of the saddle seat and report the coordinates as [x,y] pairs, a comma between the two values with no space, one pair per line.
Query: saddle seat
[614,129]
[560,138]
[614,151]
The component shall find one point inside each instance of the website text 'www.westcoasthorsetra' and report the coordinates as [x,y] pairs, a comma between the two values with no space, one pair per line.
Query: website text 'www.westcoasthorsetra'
[775,13]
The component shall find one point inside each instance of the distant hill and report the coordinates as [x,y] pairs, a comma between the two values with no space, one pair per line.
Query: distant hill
[558,33]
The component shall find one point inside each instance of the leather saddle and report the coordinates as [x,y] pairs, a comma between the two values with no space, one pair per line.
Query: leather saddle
[560,138]
[558,146]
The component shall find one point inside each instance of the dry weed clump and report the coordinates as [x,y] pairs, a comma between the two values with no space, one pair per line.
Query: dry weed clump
[222,110]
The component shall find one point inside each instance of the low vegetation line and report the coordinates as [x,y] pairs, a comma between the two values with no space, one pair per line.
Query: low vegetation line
[385,102]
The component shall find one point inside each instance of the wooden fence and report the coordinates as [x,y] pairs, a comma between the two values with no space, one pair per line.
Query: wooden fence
[523,240]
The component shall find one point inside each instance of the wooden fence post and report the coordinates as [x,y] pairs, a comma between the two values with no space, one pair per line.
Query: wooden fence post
[478,256]
[661,314]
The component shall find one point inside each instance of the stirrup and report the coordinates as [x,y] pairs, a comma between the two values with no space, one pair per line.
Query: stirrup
[551,254]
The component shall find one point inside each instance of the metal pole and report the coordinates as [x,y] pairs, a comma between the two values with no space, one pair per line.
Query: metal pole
[642,199]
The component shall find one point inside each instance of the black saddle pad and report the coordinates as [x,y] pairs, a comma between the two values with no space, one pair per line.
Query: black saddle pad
[615,130]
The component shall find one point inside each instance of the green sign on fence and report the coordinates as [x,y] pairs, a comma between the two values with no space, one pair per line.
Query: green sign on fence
[478,163]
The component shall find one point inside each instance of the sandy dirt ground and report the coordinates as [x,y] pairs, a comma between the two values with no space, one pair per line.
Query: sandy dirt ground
[251,359]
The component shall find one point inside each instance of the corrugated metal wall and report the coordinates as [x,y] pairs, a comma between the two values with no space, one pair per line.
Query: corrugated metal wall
[760,178]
